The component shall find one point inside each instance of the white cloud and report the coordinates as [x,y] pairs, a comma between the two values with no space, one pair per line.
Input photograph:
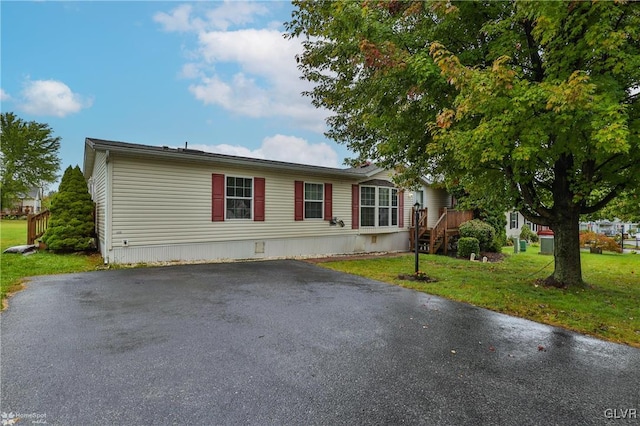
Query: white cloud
[234,13]
[241,95]
[281,148]
[4,96]
[51,97]
[248,71]
[227,14]
[191,70]
[179,20]
[298,150]
[267,83]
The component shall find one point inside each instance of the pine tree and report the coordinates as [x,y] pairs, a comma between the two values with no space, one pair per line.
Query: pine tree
[71,227]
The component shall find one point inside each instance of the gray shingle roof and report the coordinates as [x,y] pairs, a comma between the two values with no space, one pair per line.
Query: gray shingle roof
[93,144]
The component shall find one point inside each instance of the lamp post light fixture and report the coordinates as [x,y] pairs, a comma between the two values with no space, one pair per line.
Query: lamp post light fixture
[416,208]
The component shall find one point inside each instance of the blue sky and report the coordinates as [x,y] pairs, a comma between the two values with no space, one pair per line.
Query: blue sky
[216,74]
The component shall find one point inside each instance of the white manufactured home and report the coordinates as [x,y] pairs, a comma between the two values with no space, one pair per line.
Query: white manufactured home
[157,204]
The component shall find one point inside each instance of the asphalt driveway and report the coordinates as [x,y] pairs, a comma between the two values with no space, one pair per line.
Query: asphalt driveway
[287,342]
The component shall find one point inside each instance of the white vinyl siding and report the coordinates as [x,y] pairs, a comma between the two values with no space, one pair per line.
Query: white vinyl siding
[99,197]
[162,202]
[163,209]
[434,200]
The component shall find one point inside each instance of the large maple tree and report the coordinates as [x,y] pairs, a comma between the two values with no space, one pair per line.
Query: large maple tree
[526,104]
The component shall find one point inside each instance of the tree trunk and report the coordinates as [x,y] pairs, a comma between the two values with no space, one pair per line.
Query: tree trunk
[568,270]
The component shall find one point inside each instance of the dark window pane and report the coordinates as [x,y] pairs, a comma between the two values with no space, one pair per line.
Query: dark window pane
[238,208]
[312,210]
[368,216]
[383,217]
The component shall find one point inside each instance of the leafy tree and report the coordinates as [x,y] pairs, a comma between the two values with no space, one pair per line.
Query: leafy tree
[28,156]
[532,103]
[626,207]
[488,210]
[71,227]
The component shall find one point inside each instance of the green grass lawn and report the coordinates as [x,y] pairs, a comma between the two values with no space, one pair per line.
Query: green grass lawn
[14,268]
[608,308]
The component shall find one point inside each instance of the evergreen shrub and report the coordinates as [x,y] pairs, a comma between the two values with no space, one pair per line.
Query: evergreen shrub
[71,227]
[482,231]
[468,245]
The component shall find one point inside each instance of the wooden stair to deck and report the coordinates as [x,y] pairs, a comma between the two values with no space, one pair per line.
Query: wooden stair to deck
[437,239]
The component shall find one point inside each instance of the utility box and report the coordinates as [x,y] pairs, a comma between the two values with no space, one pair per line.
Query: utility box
[546,241]
[515,244]
[546,244]
[523,245]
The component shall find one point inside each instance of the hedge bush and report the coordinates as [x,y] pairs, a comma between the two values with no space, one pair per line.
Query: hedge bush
[71,227]
[527,234]
[482,231]
[468,245]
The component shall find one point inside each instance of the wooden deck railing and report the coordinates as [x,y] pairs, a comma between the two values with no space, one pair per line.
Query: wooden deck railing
[456,218]
[446,226]
[438,232]
[36,225]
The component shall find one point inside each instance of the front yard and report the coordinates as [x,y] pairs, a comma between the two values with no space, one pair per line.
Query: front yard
[608,308]
[14,268]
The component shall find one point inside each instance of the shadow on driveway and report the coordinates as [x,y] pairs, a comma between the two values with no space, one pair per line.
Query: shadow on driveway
[287,342]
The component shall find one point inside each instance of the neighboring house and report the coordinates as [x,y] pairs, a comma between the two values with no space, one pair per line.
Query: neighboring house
[607,227]
[31,202]
[515,221]
[165,204]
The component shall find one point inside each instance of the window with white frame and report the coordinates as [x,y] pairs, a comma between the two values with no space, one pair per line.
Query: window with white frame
[378,206]
[513,220]
[313,199]
[239,197]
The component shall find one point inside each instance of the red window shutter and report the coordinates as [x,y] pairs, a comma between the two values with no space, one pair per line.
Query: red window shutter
[299,200]
[328,201]
[217,195]
[258,199]
[401,209]
[355,207]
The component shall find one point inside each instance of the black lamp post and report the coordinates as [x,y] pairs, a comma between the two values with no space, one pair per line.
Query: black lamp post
[416,208]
